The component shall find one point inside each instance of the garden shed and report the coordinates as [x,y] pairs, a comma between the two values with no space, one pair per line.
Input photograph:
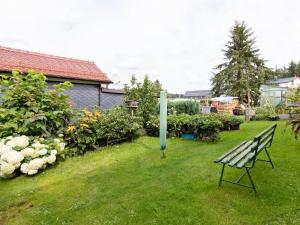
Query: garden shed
[273,94]
[86,77]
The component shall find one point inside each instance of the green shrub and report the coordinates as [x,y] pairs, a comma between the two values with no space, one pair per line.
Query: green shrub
[294,95]
[93,129]
[152,126]
[29,107]
[205,127]
[178,124]
[229,122]
[266,112]
[281,108]
[117,124]
[190,107]
[294,120]
[266,117]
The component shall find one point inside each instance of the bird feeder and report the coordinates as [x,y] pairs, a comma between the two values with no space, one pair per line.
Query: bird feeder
[132,105]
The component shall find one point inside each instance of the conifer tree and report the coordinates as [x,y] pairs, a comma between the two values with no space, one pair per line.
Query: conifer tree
[243,71]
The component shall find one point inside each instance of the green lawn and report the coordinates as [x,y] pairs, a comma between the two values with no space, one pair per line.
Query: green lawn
[130,184]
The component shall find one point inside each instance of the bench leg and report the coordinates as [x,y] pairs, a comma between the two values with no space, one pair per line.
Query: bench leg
[221,175]
[269,158]
[241,177]
[252,183]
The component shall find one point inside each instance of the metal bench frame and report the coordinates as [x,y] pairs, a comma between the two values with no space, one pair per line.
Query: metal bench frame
[260,142]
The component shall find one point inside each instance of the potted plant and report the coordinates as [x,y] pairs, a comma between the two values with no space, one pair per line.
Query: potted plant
[234,122]
[188,132]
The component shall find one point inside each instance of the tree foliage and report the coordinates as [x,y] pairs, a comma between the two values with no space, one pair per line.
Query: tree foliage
[29,107]
[294,120]
[146,93]
[293,69]
[242,70]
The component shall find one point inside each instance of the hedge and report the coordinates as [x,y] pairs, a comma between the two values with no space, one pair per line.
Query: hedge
[190,107]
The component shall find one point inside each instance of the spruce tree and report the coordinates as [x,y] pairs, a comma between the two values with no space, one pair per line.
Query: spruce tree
[243,71]
[294,69]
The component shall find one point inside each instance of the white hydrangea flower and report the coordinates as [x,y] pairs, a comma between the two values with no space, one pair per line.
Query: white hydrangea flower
[38,146]
[24,168]
[32,172]
[62,145]
[35,154]
[36,164]
[21,141]
[42,139]
[5,148]
[51,159]
[6,170]
[2,144]
[60,135]
[45,159]
[17,165]
[13,157]
[53,152]
[43,151]
[27,152]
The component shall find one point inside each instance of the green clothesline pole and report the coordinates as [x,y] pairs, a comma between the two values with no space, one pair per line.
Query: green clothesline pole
[163,123]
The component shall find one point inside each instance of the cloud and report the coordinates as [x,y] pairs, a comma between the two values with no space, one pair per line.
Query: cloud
[175,41]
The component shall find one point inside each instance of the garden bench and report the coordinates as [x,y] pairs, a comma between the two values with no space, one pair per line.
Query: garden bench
[244,155]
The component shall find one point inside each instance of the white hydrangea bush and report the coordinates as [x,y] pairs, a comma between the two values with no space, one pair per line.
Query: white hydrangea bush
[26,155]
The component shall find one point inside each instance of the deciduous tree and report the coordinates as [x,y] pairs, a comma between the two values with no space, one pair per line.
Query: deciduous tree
[146,93]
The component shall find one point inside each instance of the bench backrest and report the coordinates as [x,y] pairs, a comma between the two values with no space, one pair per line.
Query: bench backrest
[248,150]
[264,139]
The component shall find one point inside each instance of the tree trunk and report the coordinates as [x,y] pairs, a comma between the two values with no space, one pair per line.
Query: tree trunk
[249,105]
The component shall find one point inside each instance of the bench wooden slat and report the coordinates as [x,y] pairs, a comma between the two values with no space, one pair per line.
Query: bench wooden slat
[245,160]
[230,151]
[242,155]
[263,144]
[267,136]
[250,156]
[237,152]
[265,131]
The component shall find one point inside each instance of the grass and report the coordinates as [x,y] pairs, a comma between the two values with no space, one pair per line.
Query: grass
[130,184]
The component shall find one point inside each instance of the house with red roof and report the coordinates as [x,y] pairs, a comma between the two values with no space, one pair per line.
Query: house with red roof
[87,79]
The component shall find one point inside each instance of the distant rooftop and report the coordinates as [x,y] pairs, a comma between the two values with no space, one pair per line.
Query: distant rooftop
[283,80]
[198,93]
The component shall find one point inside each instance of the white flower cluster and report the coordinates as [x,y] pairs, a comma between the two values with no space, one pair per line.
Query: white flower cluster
[17,152]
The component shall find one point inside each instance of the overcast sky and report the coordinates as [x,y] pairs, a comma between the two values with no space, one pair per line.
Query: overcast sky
[176,41]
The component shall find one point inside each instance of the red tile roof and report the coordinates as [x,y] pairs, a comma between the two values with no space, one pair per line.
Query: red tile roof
[50,65]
